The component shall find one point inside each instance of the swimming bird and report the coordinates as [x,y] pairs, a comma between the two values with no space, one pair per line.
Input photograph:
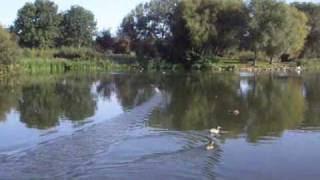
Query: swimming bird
[216,131]
[210,146]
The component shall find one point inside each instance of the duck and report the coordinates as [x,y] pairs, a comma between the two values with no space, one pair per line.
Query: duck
[216,131]
[210,146]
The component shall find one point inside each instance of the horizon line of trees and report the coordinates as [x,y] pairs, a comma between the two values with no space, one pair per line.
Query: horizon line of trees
[181,31]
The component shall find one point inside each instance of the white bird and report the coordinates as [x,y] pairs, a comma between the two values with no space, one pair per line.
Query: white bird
[216,131]
[235,112]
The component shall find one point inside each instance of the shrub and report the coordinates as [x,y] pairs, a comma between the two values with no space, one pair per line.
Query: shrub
[8,48]
[38,53]
[78,54]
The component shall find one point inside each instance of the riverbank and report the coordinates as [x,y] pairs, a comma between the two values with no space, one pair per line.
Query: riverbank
[128,63]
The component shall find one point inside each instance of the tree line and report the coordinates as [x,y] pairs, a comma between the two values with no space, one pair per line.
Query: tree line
[193,31]
[181,31]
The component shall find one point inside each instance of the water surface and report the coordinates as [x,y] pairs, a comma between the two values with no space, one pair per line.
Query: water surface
[142,126]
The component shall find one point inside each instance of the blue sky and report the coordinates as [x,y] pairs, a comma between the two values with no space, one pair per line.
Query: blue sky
[108,13]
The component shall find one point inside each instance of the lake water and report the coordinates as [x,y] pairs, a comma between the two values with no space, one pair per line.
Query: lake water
[155,126]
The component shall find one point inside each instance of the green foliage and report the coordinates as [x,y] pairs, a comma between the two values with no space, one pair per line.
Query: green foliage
[207,27]
[312,46]
[8,48]
[38,53]
[148,27]
[78,54]
[276,28]
[78,27]
[122,45]
[39,65]
[70,53]
[105,41]
[37,24]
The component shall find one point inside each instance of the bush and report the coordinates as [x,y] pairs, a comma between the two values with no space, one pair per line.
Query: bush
[78,54]
[64,53]
[245,56]
[8,48]
[39,53]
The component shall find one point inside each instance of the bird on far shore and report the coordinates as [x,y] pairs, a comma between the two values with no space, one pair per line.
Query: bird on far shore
[235,112]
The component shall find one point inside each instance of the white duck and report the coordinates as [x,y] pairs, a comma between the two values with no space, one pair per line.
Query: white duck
[216,131]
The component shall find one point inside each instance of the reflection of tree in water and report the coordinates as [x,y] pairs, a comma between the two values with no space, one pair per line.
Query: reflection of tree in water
[43,104]
[312,87]
[197,101]
[39,106]
[106,86]
[9,94]
[131,90]
[76,100]
[274,106]
[269,106]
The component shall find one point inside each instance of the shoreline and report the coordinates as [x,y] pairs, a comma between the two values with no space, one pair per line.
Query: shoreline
[38,65]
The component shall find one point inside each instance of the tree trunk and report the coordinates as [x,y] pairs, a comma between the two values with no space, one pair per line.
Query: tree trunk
[271,60]
[255,58]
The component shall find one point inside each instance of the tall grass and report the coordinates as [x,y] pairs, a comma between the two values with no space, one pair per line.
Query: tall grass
[37,65]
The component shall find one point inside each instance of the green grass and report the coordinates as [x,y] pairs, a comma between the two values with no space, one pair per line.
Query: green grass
[37,65]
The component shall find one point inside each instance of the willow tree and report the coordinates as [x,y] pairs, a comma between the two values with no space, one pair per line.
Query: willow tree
[276,28]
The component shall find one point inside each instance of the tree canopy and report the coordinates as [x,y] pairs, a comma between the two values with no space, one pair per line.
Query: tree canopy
[78,27]
[149,27]
[312,11]
[276,28]
[37,24]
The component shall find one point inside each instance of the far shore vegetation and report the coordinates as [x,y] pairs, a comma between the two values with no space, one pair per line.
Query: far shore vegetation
[218,35]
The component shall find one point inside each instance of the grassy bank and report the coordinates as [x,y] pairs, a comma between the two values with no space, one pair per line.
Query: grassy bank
[39,65]
[41,62]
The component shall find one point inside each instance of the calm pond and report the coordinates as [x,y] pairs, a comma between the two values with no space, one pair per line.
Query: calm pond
[152,126]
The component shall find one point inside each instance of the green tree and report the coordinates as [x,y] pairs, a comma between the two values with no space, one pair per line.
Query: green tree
[122,45]
[312,45]
[276,28]
[207,27]
[78,27]
[37,24]
[105,41]
[8,48]
[149,27]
